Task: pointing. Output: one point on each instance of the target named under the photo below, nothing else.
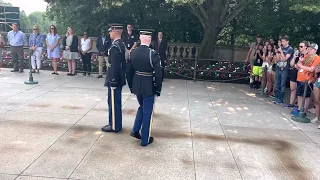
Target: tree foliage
(34, 18)
(176, 21)
(2, 3)
(306, 5)
(24, 21)
(208, 22)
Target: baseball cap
(314, 46)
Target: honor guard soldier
(115, 79)
(145, 81)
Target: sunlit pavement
(201, 130)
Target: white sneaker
(315, 120)
(319, 127)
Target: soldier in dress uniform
(115, 79)
(145, 81)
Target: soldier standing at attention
(115, 79)
(145, 81)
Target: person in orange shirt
(306, 68)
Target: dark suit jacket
(161, 49)
(74, 45)
(103, 48)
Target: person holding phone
(269, 61)
(285, 55)
(257, 67)
(293, 72)
(251, 57)
(306, 69)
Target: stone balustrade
(179, 50)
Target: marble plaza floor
(203, 131)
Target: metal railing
(178, 68)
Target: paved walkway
(202, 131)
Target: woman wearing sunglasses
(35, 44)
(53, 49)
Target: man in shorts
(257, 67)
(306, 68)
(252, 56)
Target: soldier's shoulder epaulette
(115, 45)
(152, 50)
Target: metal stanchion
(195, 69)
(302, 116)
(31, 81)
(264, 79)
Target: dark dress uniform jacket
(116, 72)
(144, 73)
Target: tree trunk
(207, 44)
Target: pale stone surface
(202, 130)
(36, 178)
(63, 156)
(160, 161)
(7, 177)
(30, 116)
(23, 142)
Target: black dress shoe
(107, 128)
(100, 76)
(151, 139)
(135, 135)
(15, 70)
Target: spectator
(70, 47)
(294, 71)
(316, 91)
(53, 48)
(268, 58)
(276, 58)
(35, 43)
(306, 68)
(103, 44)
(257, 67)
(285, 54)
(1, 49)
(272, 42)
(130, 39)
(16, 40)
(161, 47)
(252, 56)
(85, 47)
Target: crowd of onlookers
(72, 46)
(274, 63)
